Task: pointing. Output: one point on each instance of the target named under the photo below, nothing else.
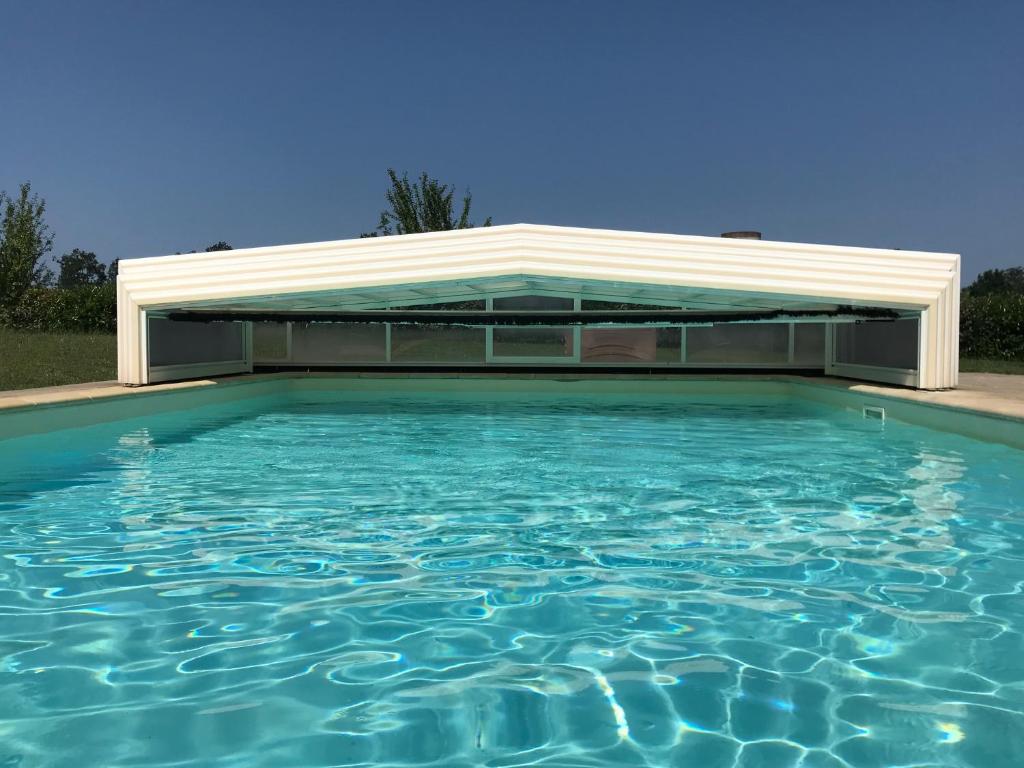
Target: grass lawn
(979, 365)
(32, 359)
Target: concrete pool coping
(986, 406)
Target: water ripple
(503, 583)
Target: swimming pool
(312, 579)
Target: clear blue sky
(154, 127)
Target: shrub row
(992, 327)
(89, 308)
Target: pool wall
(55, 411)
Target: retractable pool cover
(661, 279)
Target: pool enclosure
(543, 298)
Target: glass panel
(738, 343)
(534, 303)
(619, 345)
(325, 343)
(809, 344)
(889, 345)
(532, 342)
(269, 341)
(594, 305)
(438, 344)
(630, 345)
(178, 342)
(472, 305)
(669, 340)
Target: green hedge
(992, 327)
(88, 308)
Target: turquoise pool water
(464, 582)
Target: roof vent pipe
(745, 234)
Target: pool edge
(46, 410)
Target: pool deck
(991, 394)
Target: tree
(422, 206)
(25, 239)
(80, 268)
(994, 282)
(220, 245)
(112, 271)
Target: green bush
(89, 308)
(992, 326)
